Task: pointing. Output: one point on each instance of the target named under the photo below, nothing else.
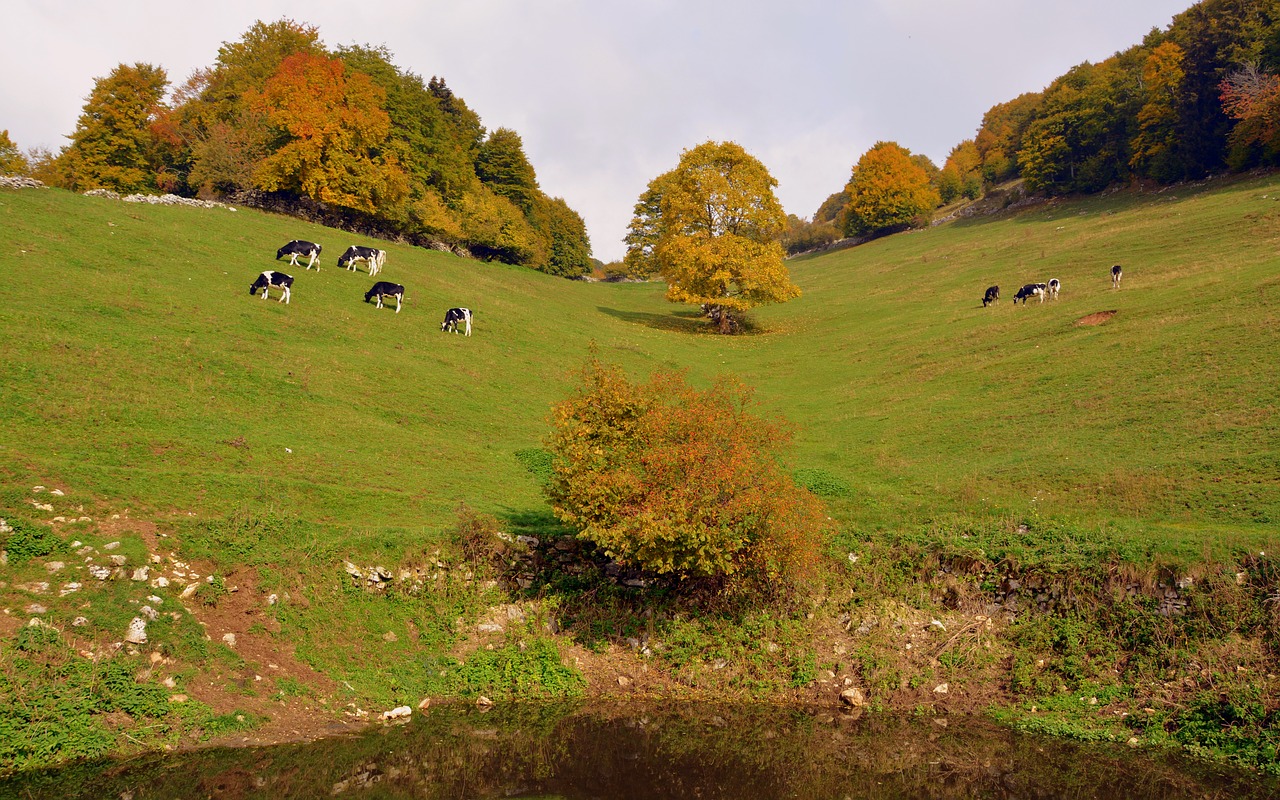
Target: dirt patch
(1096, 318)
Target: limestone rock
(137, 632)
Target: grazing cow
(992, 295)
(383, 289)
(300, 248)
(272, 278)
(1027, 292)
(1115, 276)
(371, 256)
(1053, 287)
(455, 315)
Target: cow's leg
(398, 297)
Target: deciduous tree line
(279, 113)
(1198, 98)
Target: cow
(1053, 287)
(272, 278)
(1029, 291)
(455, 315)
(300, 248)
(383, 289)
(1115, 276)
(371, 256)
(992, 295)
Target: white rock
(942, 688)
(57, 492)
(273, 599)
(54, 566)
(137, 633)
(190, 590)
(229, 639)
(119, 560)
(70, 588)
(141, 574)
(854, 697)
(155, 599)
(149, 612)
(111, 546)
(79, 622)
(36, 608)
(160, 582)
(397, 713)
(100, 572)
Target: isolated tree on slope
(711, 227)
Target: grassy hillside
(141, 368)
(963, 450)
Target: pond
(662, 751)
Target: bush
(681, 482)
(27, 540)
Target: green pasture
(137, 368)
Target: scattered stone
(160, 582)
(137, 632)
(57, 492)
(111, 546)
(38, 489)
(177, 698)
(229, 639)
(484, 703)
(190, 590)
(937, 624)
(155, 559)
(942, 688)
(141, 574)
(36, 608)
(1133, 741)
(54, 566)
(390, 636)
(79, 622)
(624, 681)
(149, 612)
(515, 614)
(397, 713)
(273, 599)
(853, 697)
(70, 588)
(169, 683)
(119, 561)
(100, 572)
(489, 627)
(529, 541)
(84, 519)
(424, 704)
(42, 506)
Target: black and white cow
(272, 278)
(371, 256)
(1052, 288)
(1115, 276)
(1030, 290)
(300, 248)
(992, 295)
(455, 315)
(383, 289)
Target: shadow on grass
(535, 522)
(686, 322)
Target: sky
(606, 95)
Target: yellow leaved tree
(711, 228)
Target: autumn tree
(888, 190)
(710, 227)
(331, 131)
(1155, 148)
(1252, 98)
(681, 482)
(961, 175)
(113, 145)
(12, 161)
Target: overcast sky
(607, 94)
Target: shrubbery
(681, 482)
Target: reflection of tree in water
(662, 751)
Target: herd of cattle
(373, 259)
(1041, 290)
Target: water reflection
(637, 753)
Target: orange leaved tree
(681, 482)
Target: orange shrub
(681, 482)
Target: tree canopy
(280, 116)
(711, 228)
(888, 189)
